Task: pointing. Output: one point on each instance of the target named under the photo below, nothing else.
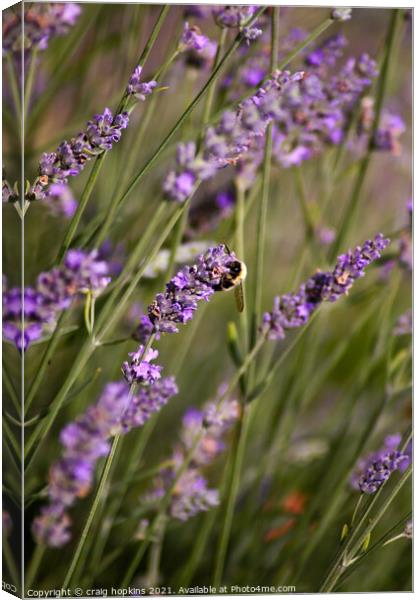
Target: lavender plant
(243, 150)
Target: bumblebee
(233, 279)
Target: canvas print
(207, 299)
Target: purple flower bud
(9, 194)
(139, 89)
(375, 469)
(404, 324)
(52, 526)
(192, 38)
(233, 16)
(140, 370)
(61, 200)
(294, 310)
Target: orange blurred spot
(274, 534)
(294, 503)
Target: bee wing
(239, 297)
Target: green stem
(12, 440)
(201, 541)
(344, 558)
(34, 565)
(378, 544)
(14, 87)
(155, 553)
(176, 242)
(109, 219)
(211, 92)
(308, 222)
(240, 213)
(395, 538)
(95, 505)
(41, 431)
(355, 197)
(135, 458)
(29, 82)
(11, 390)
(263, 207)
(88, 189)
(313, 35)
(40, 372)
(10, 562)
(238, 452)
(357, 507)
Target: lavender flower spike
(226, 143)
(41, 22)
(374, 470)
(80, 273)
(188, 287)
(233, 16)
(136, 87)
(51, 527)
(102, 132)
(191, 494)
(86, 440)
(294, 310)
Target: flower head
(189, 286)
(81, 273)
(51, 527)
(61, 201)
(140, 369)
(25, 316)
(192, 38)
(375, 469)
(233, 16)
(226, 143)
(294, 310)
(191, 493)
(102, 132)
(404, 324)
(9, 193)
(41, 22)
(87, 439)
(136, 87)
